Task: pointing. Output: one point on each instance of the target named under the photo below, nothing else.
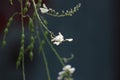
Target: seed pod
(45, 22)
(22, 49)
(22, 41)
(31, 25)
(28, 4)
(31, 46)
(9, 21)
(23, 36)
(31, 55)
(32, 39)
(6, 30)
(25, 10)
(43, 42)
(46, 33)
(3, 43)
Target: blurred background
(94, 28)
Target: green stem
(23, 70)
(58, 56)
(53, 49)
(55, 15)
(46, 64)
(7, 28)
(22, 23)
(34, 5)
(43, 53)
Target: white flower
(72, 70)
(61, 72)
(68, 70)
(44, 9)
(67, 67)
(59, 39)
(59, 78)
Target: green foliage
(34, 34)
(64, 13)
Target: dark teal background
(94, 28)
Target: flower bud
(31, 55)
(28, 4)
(3, 43)
(6, 30)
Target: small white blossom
(44, 9)
(57, 43)
(72, 70)
(67, 67)
(61, 72)
(68, 70)
(59, 39)
(59, 78)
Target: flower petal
(43, 10)
(61, 73)
(59, 78)
(44, 6)
(72, 70)
(71, 39)
(57, 43)
(67, 67)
